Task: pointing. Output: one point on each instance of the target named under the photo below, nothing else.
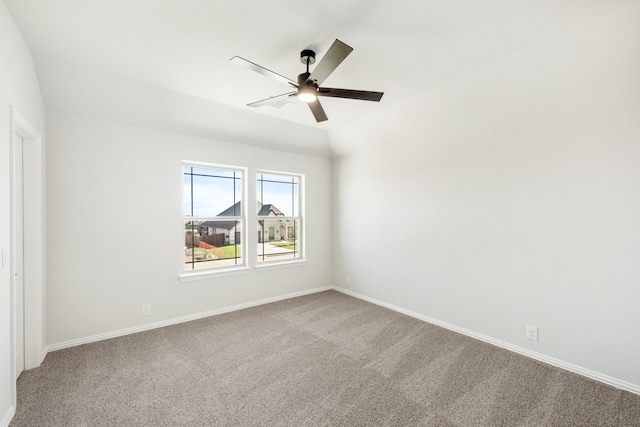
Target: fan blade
(261, 70)
(318, 111)
(330, 61)
(274, 101)
(363, 95)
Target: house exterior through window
(213, 216)
(279, 216)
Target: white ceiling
(116, 59)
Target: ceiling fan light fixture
(307, 94)
(307, 87)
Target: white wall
(19, 88)
(115, 236)
(515, 193)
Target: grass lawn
(230, 251)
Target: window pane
(211, 192)
(212, 243)
(278, 239)
(278, 195)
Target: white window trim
(207, 273)
(272, 265)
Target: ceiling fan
(308, 88)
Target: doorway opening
(27, 247)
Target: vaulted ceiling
(165, 63)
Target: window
(279, 216)
(213, 216)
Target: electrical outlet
(146, 309)
(348, 280)
(532, 333)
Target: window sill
(208, 274)
(263, 266)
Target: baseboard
(606, 379)
(8, 416)
(174, 321)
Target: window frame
(242, 266)
(300, 218)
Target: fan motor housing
(303, 79)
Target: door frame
(34, 241)
(16, 270)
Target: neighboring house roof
(265, 210)
(235, 210)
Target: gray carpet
(320, 360)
